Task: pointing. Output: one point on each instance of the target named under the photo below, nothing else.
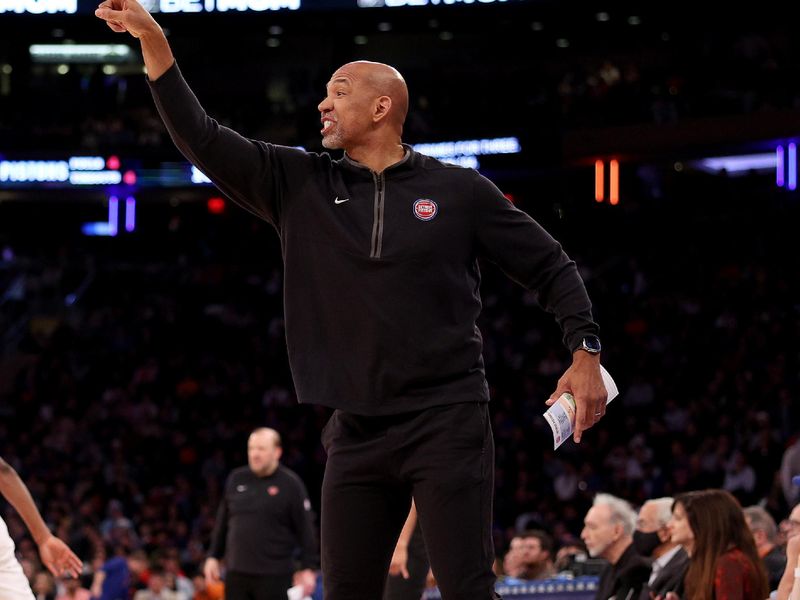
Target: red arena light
(129, 177)
(112, 163)
(216, 206)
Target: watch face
(591, 343)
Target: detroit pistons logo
(273, 490)
(425, 209)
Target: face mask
(645, 543)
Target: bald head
(267, 435)
(382, 80)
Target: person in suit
(608, 533)
(652, 539)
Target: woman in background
(724, 564)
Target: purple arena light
(113, 215)
(130, 214)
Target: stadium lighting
(80, 53)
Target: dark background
(132, 368)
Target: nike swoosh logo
(337, 201)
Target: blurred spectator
(176, 579)
(513, 567)
(204, 590)
(71, 589)
(116, 576)
(765, 534)
(652, 539)
(740, 478)
(156, 588)
(536, 555)
(44, 586)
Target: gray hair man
(765, 533)
(608, 533)
(652, 539)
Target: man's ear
(382, 107)
(619, 531)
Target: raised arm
(130, 16)
(251, 173)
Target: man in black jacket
(264, 527)
(381, 252)
(607, 533)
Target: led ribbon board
(39, 7)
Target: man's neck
(266, 472)
(377, 157)
(615, 551)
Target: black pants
(444, 456)
(241, 586)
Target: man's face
(647, 522)
(531, 551)
(262, 453)
(156, 583)
(347, 107)
(598, 530)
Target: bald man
(264, 529)
(381, 295)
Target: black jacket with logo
(381, 284)
(265, 525)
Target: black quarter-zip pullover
(264, 524)
(381, 279)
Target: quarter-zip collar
(403, 164)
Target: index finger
(583, 418)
